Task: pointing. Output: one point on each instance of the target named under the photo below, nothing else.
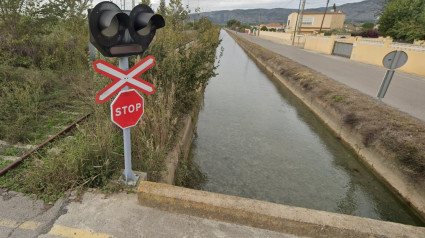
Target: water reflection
(256, 140)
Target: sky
(215, 5)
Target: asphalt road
(406, 92)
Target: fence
(371, 51)
(283, 38)
(367, 50)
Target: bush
(371, 33)
(368, 25)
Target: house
(275, 26)
(350, 27)
(312, 21)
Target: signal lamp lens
(111, 22)
(109, 28)
(145, 23)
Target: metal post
(387, 78)
(129, 177)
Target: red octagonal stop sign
(127, 109)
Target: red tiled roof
(321, 13)
(274, 25)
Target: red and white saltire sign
(123, 78)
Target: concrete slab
(120, 215)
(266, 215)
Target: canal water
(256, 140)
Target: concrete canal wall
(276, 217)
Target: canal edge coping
(409, 191)
(267, 215)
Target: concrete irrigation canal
(256, 140)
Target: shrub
(370, 33)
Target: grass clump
(11, 151)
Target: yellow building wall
(292, 19)
(371, 51)
(337, 21)
(280, 37)
(323, 44)
(332, 21)
(374, 52)
(317, 20)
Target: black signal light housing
(120, 33)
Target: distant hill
(357, 12)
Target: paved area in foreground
(406, 92)
(116, 215)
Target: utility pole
(259, 23)
(299, 19)
(133, 4)
(324, 14)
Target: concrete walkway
(98, 215)
(119, 215)
(160, 210)
(406, 92)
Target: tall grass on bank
(31, 99)
(184, 63)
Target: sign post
(391, 61)
(126, 111)
(129, 177)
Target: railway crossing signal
(123, 78)
(122, 33)
(119, 33)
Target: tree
(203, 24)
(368, 25)
(45, 34)
(233, 23)
(146, 2)
(177, 14)
(162, 9)
(334, 7)
(403, 20)
(11, 13)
